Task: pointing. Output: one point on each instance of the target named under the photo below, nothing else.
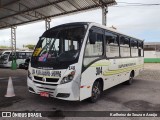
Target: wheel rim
(96, 91)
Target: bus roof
(113, 30)
(90, 24)
(64, 25)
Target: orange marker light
(73, 73)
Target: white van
(6, 57)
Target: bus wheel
(96, 91)
(130, 81)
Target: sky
(142, 22)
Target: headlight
(29, 75)
(68, 78)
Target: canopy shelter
(17, 12)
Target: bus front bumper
(68, 91)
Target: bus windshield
(5, 56)
(59, 47)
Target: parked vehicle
(7, 56)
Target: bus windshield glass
(5, 56)
(59, 47)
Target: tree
(30, 46)
(2, 46)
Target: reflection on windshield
(60, 44)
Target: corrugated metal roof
(16, 12)
(151, 43)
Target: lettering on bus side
(98, 70)
(126, 65)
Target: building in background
(152, 52)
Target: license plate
(44, 94)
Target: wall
(151, 57)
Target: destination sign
(49, 73)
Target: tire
(130, 81)
(96, 91)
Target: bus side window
(17, 55)
(20, 55)
(139, 52)
(23, 54)
(112, 45)
(134, 48)
(94, 49)
(28, 54)
(124, 46)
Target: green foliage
(31, 47)
(2, 46)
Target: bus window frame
(103, 56)
(121, 45)
(118, 43)
(104, 47)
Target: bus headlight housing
(68, 78)
(29, 75)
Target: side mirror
(92, 37)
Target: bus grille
(38, 78)
(47, 79)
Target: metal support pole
(13, 46)
(104, 15)
(47, 23)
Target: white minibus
(76, 61)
